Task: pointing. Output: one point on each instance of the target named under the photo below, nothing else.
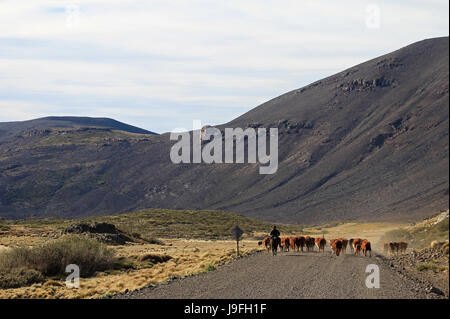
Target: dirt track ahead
(290, 275)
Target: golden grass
(189, 257)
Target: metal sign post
(237, 233)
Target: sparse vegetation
(427, 266)
(18, 277)
(396, 235)
(420, 235)
(151, 224)
(22, 265)
(210, 267)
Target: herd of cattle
(338, 246)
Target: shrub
(19, 277)
(154, 259)
(88, 254)
(427, 266)
(209, 268)
(52, 258)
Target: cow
(320, 243)
(292, 242)
(344, 244)
(394, 248)
(336, 246)
(307, 239)
(366, 248)
(300, 243)
(310, 243)
(266, 243)
(356, 241)
(402, 246)
(285, 243)
(350, 242)
(357, 248)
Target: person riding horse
(274, 233)
(275, 240)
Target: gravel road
(290, 275)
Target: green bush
(209, 268)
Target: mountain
(9, 129)
(368, 143)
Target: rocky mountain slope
(370, 142)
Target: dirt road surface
(291, 275)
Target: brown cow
(365, 246)
(357, 248)
(307, 239)
(320, 243)
(344, 244)
(285, 244)
(394, 248)
(310, 243)
(292, 242)
(356, 241)
(336, 246)
(350, 242)
(301, 242)
(266, 243)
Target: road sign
(237, 233)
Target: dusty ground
(291, 275)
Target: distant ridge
(67, 121)
(98, 122)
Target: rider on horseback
(274, 233)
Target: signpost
(237, 233)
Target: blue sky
(160, 64)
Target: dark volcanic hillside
(368, 143)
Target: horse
(274, 243)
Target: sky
(160, 65)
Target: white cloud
(170, 53)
